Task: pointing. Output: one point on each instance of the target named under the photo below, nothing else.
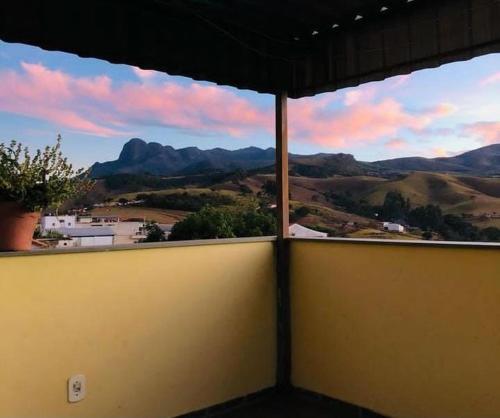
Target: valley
(333, 193)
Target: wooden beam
(282, 248)
(282, 165)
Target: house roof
(297, 230)
(95, 231)
(301, 46)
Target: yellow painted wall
(407, 331)
(157, 332)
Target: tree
(254, 223)
(455, 228)
(298, 213)
(206, 224)
(491, 234)
(302, 211)
(154, 233)
(244, 189)
(428, 218)
(395, 206)
(270, 188)
(211, 223)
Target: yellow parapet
(408, 331)
(156, 332)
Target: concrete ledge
(191, 243)
(416, 243)
(142, 246)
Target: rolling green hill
(454, 194)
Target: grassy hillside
(489, 186)
(454, 194)
(311, 198)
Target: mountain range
(139, 157)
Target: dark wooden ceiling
(301, 46)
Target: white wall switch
(77, 388)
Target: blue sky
(98, 106)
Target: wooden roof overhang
(303, 47)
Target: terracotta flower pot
(16, 227)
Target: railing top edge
(414, 243)
(195, 243)
(134, 247)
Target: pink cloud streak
(396, 144)
(487, 132)
(363, 121)
(492, 79)
(96, 106)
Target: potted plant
(30, 184)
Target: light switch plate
(77, 388)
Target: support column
(282, 164)
(282, 247)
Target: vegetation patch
(184, 201)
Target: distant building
(127, 232)
(300, 231)
(52, 222)
(85, 219)
(105, 219)
(94, 236)
(393, 227)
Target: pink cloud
(492, 79)
(364, 121)
(93, 105)
(396, 144)
(443, 109)
(144, 74)
(359, 95)
(486, 132)
(98, 106)
(46, 94)
(401, 80)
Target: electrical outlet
(77, 388)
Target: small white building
(393, 227)
(53, 222)
(85, 219)
(299, 231)
(94, 236)
(127, 232)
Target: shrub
(153, 233)
(40, 181)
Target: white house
(85, 219)
(393, 227)
(300, 231)
(53, 222)
(127, 232)
(94, 236)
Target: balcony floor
(300, 406)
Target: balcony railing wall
(157, 332)
(408, 331)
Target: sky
(97, 107)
